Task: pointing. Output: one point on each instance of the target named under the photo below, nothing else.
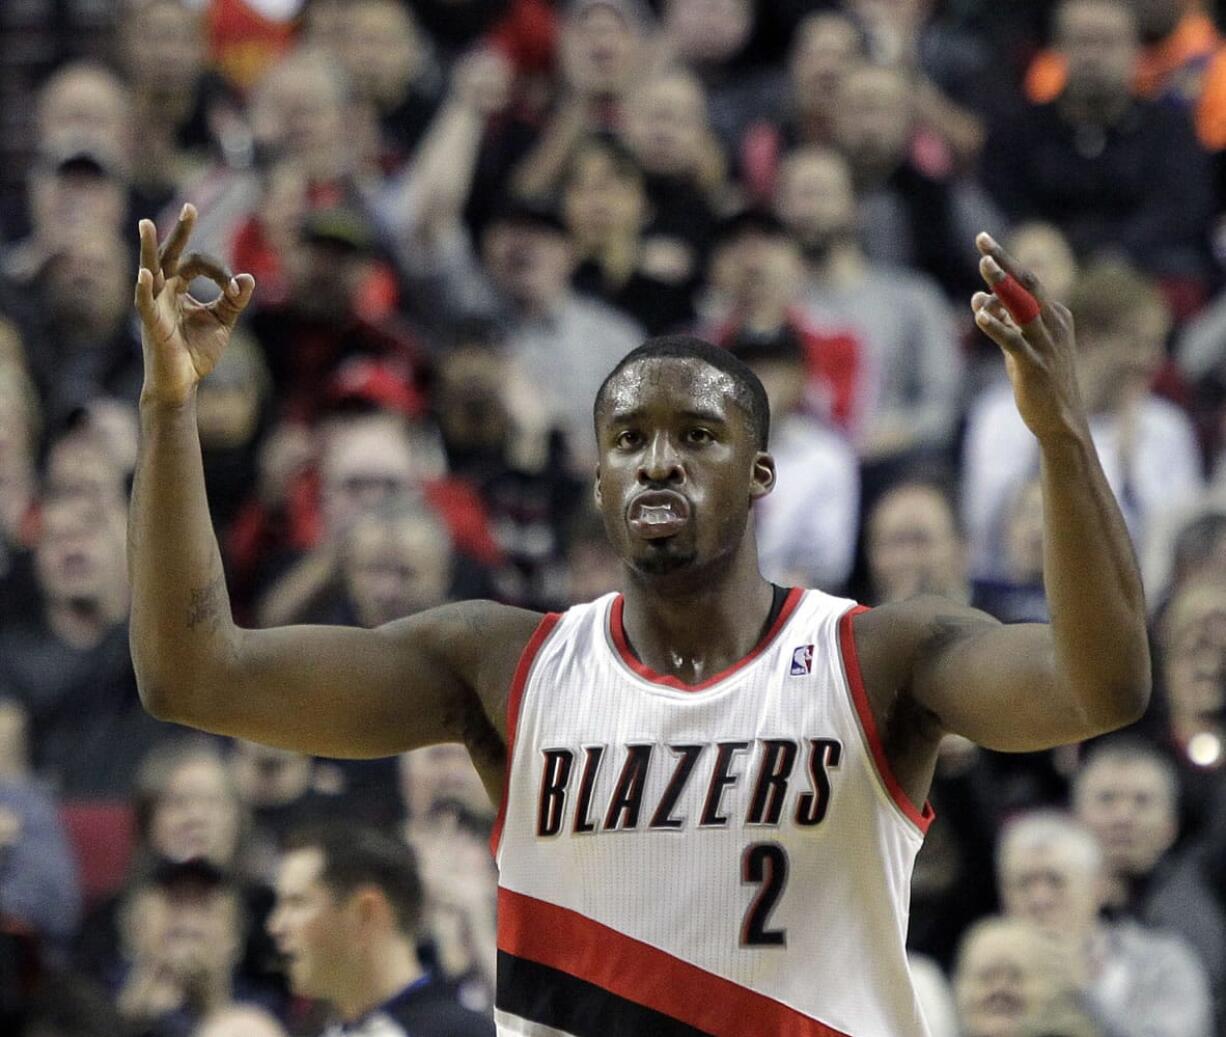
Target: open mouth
(657, 514)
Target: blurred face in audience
(197, 814)
(1098, 39)
(600, 50)
(265, 776)
(603, 200)
(1194, 646)
(367, 463)
(468, 397)
(63, 204)
(381, 50)
(80, 554)
(312, 928)
(667, 125)
(83, 102)
(394, 567)
(914, 546)
(1001, 979)
(528, 263)
(875, 118)
(1129, 804)
(1041, 248)
(81, 468)
(163, 46)
(188, 930)
(325, 280)
(764, 273)
(299, 110)
(228, 401)
(708, 31)
(87, 284)
(825, 47)
(1118, 354)
(1052, 884)
(815, 199)
(435, 775)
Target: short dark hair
(750, 396)
(357, 855)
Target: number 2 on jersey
(767, 865)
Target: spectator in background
(1127, 793)
(605, 206)
(182, 932)
(899, 319)
(1018, 596)
(1147, 445)
(187, 809)
(825, 46)
(335, 307)
(73, 186)
(1136, 982)
(90, 105)
(1178, 40)
(181, 106)
(711, 38)
(77, 323)
(39, 893)
(1111, 170)
(349, 910)
(66, 659)
(1008, 983)
(389, 66)
(602, 53)
(806, 526)
(668, 129)
(913, 544)
(913, 212)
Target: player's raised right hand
(182, 337)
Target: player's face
(679, 467)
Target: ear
(763, 477)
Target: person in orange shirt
(1179, 43)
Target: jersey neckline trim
(617, 631)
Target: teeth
(654, 514)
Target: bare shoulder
(479, 641)
(897, 642)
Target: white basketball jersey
(730, 858)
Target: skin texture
(694, 604)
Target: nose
(661, 464)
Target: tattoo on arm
(205, 603)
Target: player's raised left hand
(1036, 335)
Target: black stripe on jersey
(553, 998)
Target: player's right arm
(338, 691)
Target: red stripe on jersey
(579, 946)
(514, 698)
(855, 679)
(622, 643)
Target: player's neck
(694, 633)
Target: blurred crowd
(459, 215)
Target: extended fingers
(233, 299)
(148, 246)
(173, 248)
(144, 292)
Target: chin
(665, 560)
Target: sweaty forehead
(671, 382)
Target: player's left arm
(1029, 686)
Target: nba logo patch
(802, 660)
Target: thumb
(234, 299)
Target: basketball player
(712, 789)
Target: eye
(626, 439)
(699, 436)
